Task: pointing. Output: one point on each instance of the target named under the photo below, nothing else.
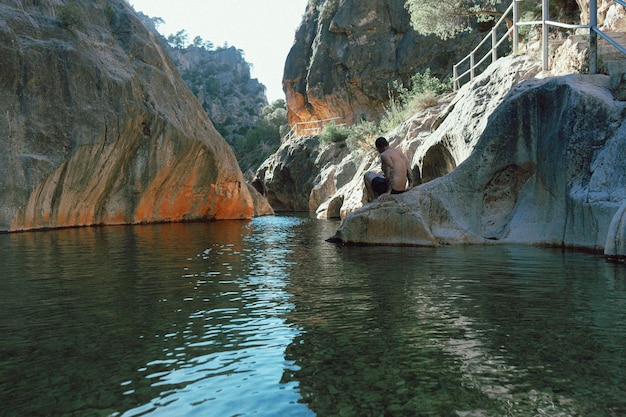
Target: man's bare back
(396, 170)
(395, 166)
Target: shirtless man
(396, 170)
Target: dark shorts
(379, 185)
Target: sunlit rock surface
(347, 55)
(261, 206)
(97, 127)
(306, 175)
(549, 167)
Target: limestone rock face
(611, 16)
(97, 127)
(346, 55)
(221, 81)
(549, 167)
(261, 205)
(286, 178)
(434, 139)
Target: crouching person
(396, 176)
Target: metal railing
(493, 51)
(315, 127)
(311, 127)
(513, 33)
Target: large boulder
(286, 178)
(306, 175)
(97, 126)
(548, 168)
(262, 207)
(326, 179)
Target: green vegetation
(422, 92)
(446, 18)
(362, 134)
(334, 133)
(560, 10)
(179, 40)
(109, 13)
(403, 101)
(263, 140)
(69, 14)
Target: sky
(264, 31)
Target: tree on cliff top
(446, 18)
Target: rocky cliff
(548, 167)
(347, 53)
(221, 81)
(517, 156)
(97, 126)
(236, 103)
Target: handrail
(546, 24)
(612, 41)
(492, 36)
(315, 127)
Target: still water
(265, 318)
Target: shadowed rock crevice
(438, 161)
(500, 197)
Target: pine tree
(446, 18)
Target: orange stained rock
(230, 207)
(181, 191)
(165, 200)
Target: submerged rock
(98, 127)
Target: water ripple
(265, 318)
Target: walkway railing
(315, 127)
(474, 63)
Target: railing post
(515, 27)
(472, 66)
(593, 37)
(545, 9)
(494, 45)
(455, 78)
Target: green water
(265, 318)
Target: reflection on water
(265, 318)
(161, 320)
(469, 331)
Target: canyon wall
(517, 156)
(348, 53)
(97, 127)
